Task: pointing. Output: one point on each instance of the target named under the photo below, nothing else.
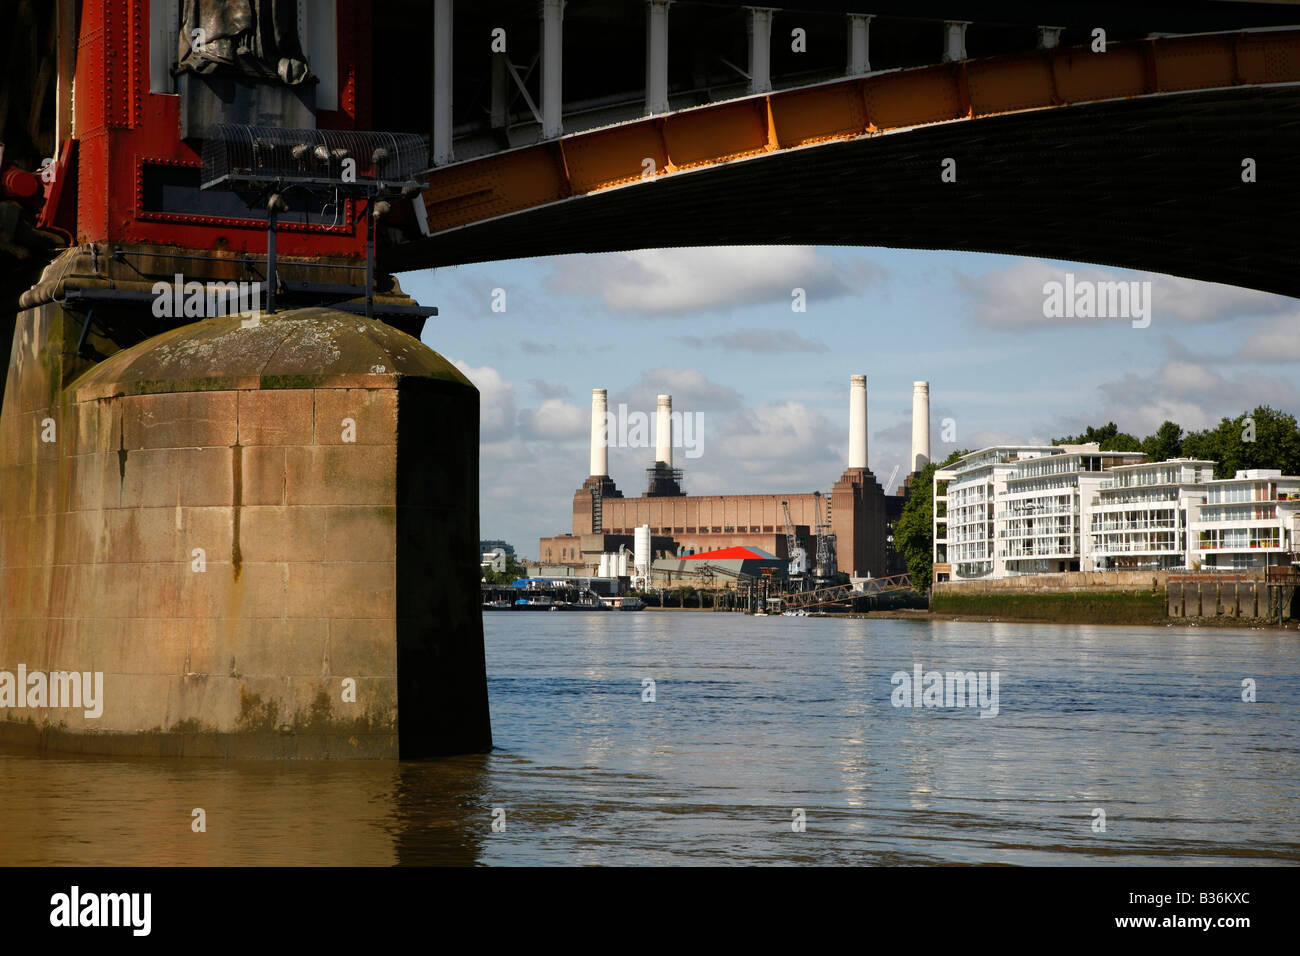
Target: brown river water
(753, 720)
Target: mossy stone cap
(298, 348)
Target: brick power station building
(857, 510)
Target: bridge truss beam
(1136, 124)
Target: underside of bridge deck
(1153, 183)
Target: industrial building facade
(856, 510)
(1027, 509)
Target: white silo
(641, 552)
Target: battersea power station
(856, 513)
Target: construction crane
(797, 555)
(825, 569)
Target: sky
(766, 387)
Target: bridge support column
(442, 153)
(859, 53)
(760, 49)
(954, 32)
(275, 575)
(552, 68)
(656, 56)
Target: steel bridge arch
(1132, 158)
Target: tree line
(1263, 438)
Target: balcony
(1136, 549)
(1135, 526)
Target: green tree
(513, 572)
(914, 530)
(1263, 438)
(1166, 443)
(1108, 437)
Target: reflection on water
(753, 717)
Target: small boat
(498, 605)
(628, 603)
(541, 602)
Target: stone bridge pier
(259, 534)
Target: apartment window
(1264, 538)
(1228, 493)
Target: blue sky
(715, 328)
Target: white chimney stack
(920, 425)
(664, 431)
(599, 449)
(857, 421)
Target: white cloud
(496, 400)
(526, 491)
(1193, 301)
(555, 420)
(1192, 395)
(1279, 341)
(1013, 297)
(1189, 379)
(756, 340)
(679, 281)
(692, 390)
(986, 437)
(529, 347)
(549, 389)
(776, 432)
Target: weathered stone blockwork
(228, 523)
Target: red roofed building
(735, 565)
(734, 554)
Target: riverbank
(1138, 609)
(1112, 606)
(909, 614)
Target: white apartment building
(964, 535)
(1138, 518)
(1017, 509)
(1251, 520)
(1039, 518)
(1030, 509)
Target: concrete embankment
(1068, 607)
(1112, 597)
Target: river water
(752, 720)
